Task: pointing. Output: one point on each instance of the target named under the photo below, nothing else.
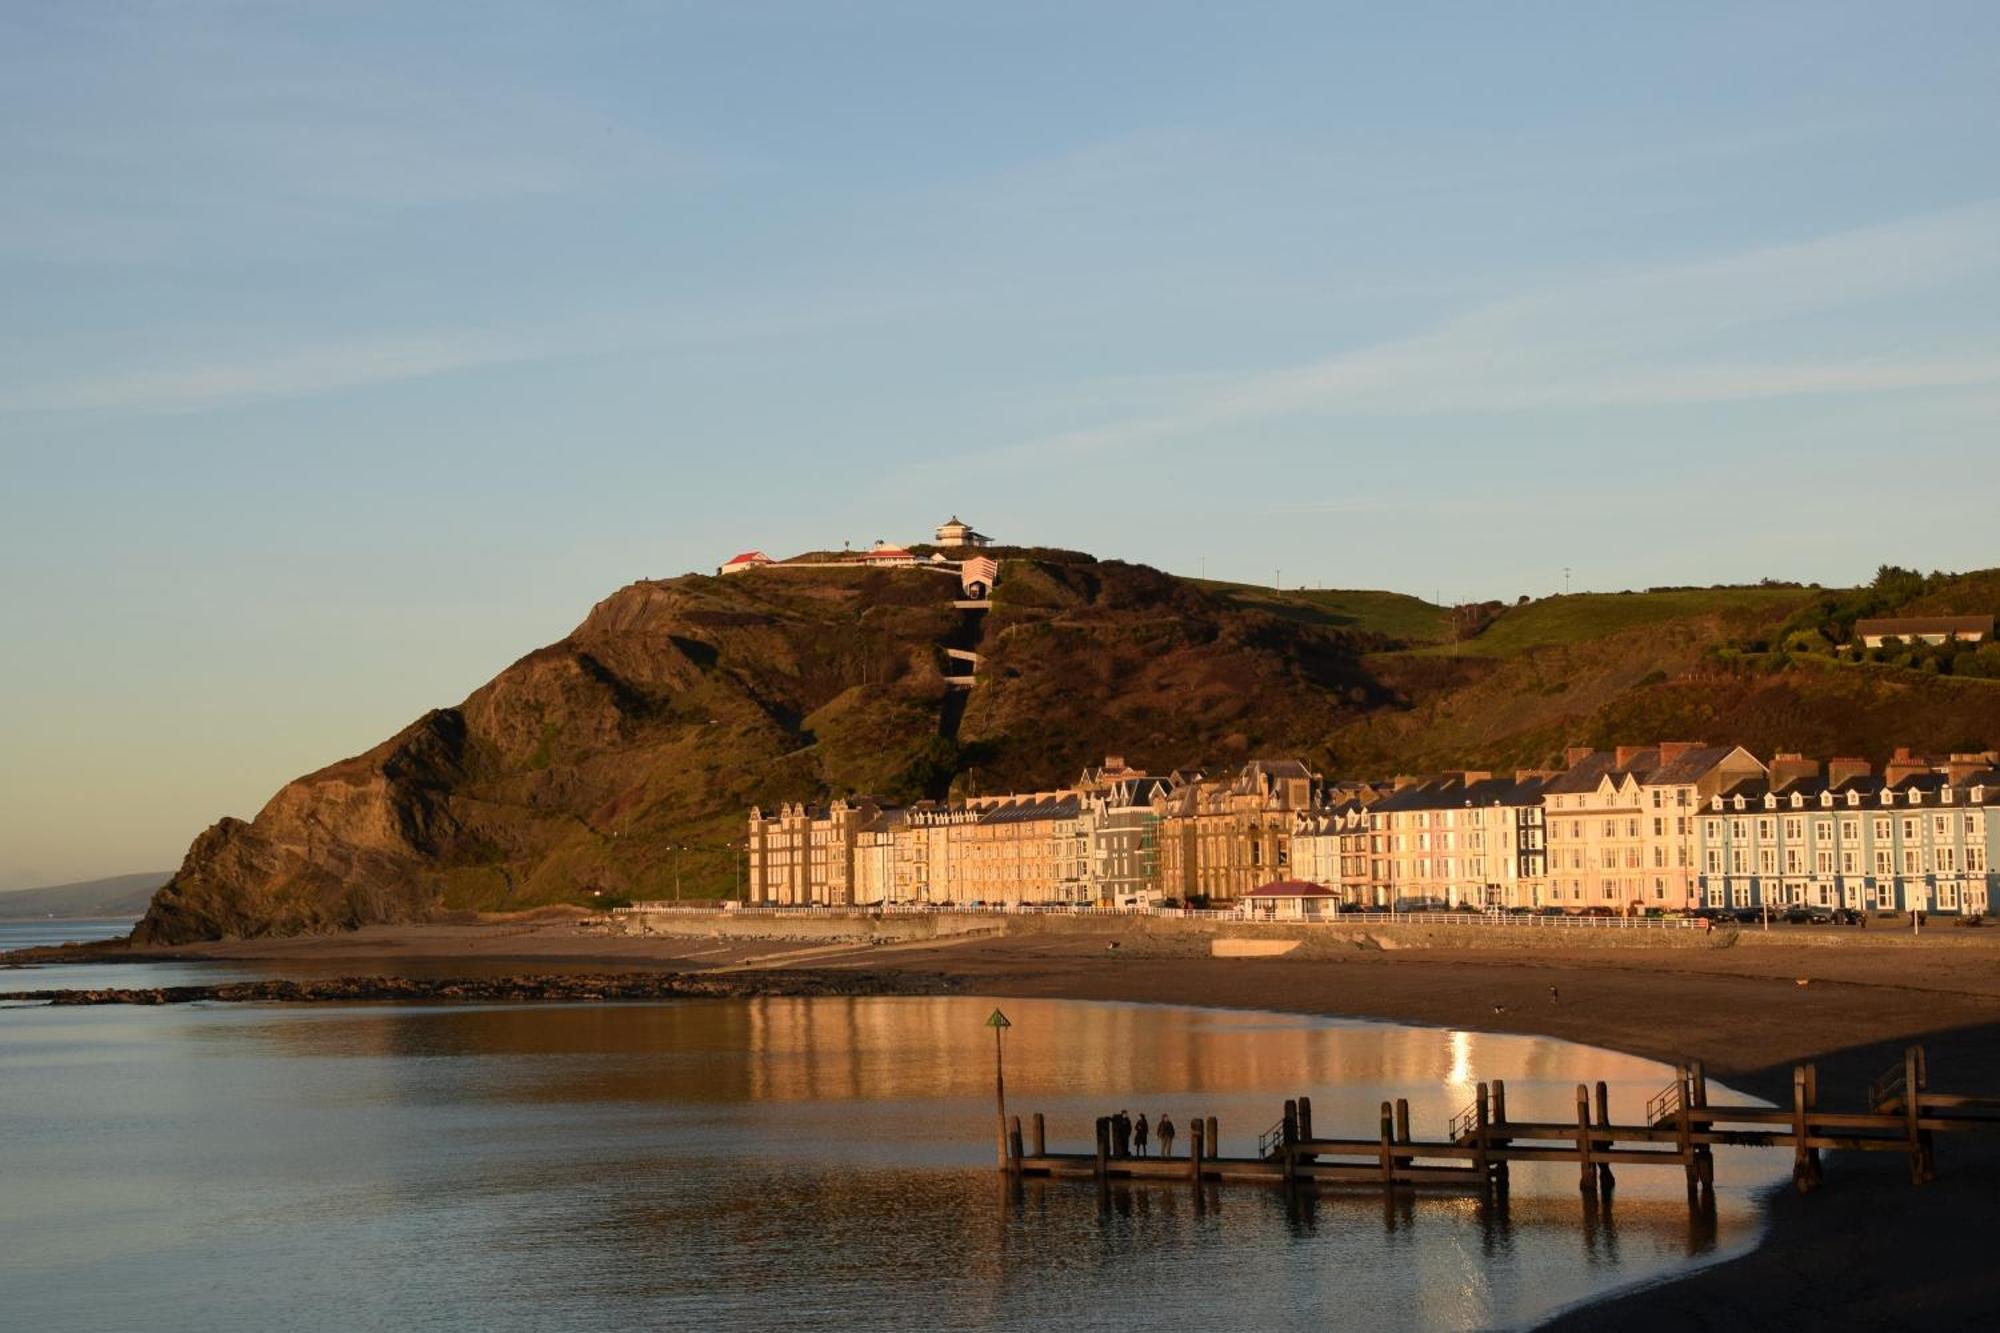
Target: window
(1850, 861)
(1658, 798)
(1764, 829)
(1823, 830)
(1795, 828)
(1941, 827)
(1881, 830)
(1767, 861)
(1884, 862)
(1975, 859)
(1823, 861)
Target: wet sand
(1867, 1250)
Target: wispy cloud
(305, 371)
(1637, 338)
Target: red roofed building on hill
(736, 564)
(884, 554)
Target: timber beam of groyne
(1679, 1128)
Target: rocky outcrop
(618, 762)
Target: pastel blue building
(1919, 837)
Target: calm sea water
(804, 1164)
(36, 932)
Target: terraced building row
(1666, 827)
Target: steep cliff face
(620, 761)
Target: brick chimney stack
(1672, 750)
(1576, 754)
(1904, 764)
(1789, 768)
(1846, 769)
(1627, 753)
(1962, 766)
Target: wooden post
(1214, 1138)
(1500, 1123)
(1306, 1122)
(1912, 1104)
(1041, 1136)
(1812, 1104)
(1801, 1174)
(1701, 1085)
(1684, 1132)
(1014, 1153)
(1402, 1120)
(1605, 1180)
(1480, 1122)
(1103, 1147)
(1924, 1136)
(1587, 1178)
(1388, 1138)
(1195, 1151)
(1288, 1142)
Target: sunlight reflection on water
(731, 1164)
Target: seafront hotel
(1669, 827)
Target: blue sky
(348, 351)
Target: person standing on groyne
(1163, 1129)
(1139, 1135)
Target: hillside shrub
(1982, 663)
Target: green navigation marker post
(999, 1022)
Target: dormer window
(1916, 796)
(1826, 800)
(1798, 801)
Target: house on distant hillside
(1926, 629)
(736, 564)
(959, 534)
(883, 555)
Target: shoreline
(1866, 1250)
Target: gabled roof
(1688, 768)
(749, 558)
(1584, 775)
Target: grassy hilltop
(618, 763)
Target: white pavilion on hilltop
(959, 534)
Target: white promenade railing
(1531, 920)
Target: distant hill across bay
(120, 895)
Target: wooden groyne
(1678, 1128)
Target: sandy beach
(1868, 1250)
